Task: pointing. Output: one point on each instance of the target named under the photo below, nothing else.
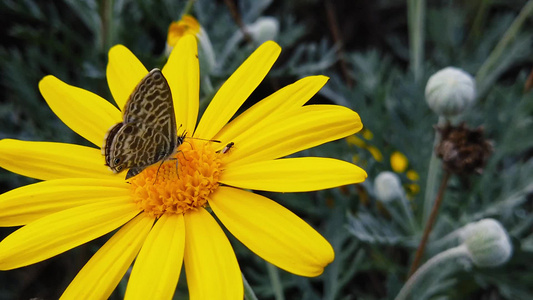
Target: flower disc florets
(160, 190)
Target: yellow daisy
(398, 162)
(178, 29)
(162, 220)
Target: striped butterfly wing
(148, 133)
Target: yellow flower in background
(178, 29)
(367, 134)
(188, 25)
(161, 220)
(412, 175)
(358, 142)
(375, 153)
(412, 188)
(398, 162)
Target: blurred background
(379, 56)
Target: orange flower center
(159, 190)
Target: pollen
(181, 183)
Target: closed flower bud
(387, 186)
(487, 243)
(450, 91)
(264, 29)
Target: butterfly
(148, 133)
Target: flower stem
(429, 224)
(248, 292)
(507, 38)
(188, 8)
(238, 20)
(459, 251)
(107, 35)
(275, 281)
(432, 177)
(415, 15)
(408, 212)
(337, 38)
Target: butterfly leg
(157, 173)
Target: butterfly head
(117, 163)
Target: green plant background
(389, 50)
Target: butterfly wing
(148, 133)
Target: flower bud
(487, 242)
(387, 186)
(264, 29)
(450, 91)
(176, 30)
(189, 25)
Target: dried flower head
(463, 150)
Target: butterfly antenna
(213, 141)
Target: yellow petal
(367, 134)
(47, 160)
(375, 153)
(102, 273)
(236, 89)
(210, 263)
(183, 75)
(293, 174)
(31, 202)
(59, 232)
(84, 112)
(157, 268)
(310, 126)
(272, 232)
(275, 107)
(124, 72)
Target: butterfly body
(148, 133)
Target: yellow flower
(412, 175)
(161, 219)
(367, 134)
(178, 29)
(188, 25)
(375, 153)
(413, 188)
(398, 162)
(354, 140)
